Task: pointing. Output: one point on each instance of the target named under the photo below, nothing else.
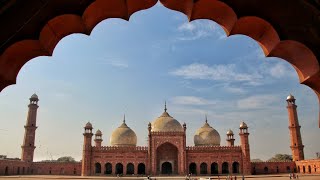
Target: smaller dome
(98, 133)
(34, 96)
(229, 132)
(243, 125)
(123, 136)
(290, 97)
(88, 126)
(207, 136)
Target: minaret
(294, 128)
(244, 141)
(86, 153)
(30, 130)
(230, 138)
(98, 138)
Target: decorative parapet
(120, 148)
(263, 162)
(213, 148)
(55, 162)
(159, 133)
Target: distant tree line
(62, 159)
(277, 158)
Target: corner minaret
(294, 128)
(30, 130)
(86, 153)
(244, 141)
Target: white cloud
(186, 27)
(116, 63)
(216, 72)
(191, 100)
(235, 90)
(197, 29)
(256, 102)
(281, 70)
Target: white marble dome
(166, 123)
(123, 136)
(207, 136)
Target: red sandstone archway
(167, 153)
(278, 26)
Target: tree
(256, 160)
(281, 157)
(66, 159)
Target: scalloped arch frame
(297, 54)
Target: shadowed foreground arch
(286, 29)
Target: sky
(133, 67)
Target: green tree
(66, 159)
(281, 157)
(256, 160)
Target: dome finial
(206, 119)
(124, 118)
(165, 106)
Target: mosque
(165, 154)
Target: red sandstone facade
(166, 153)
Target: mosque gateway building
(165, 154)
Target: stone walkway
(256, 177)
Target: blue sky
(133, 67)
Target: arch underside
(288, 30)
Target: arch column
(198, 167)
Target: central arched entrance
(166, 168)
(167, 159)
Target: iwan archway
(286, 29)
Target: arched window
(298, 169)
(119, 168)
(6, 171)
(266, 170)
(203, 168)
(74, 171)
(97, 168)
(288, 169)
(108, 167)
(235, 167)
(277, 169)
(214, 168)
(23, 170)
(309, 169)
(62, 170)
(192, 168)
(303, 169)
(18, 170)
(130, 169)
(225, 168)
(141, 168)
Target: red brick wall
(56, 168)
(114, 155)
(273, 167)
(218, 154)
(14, 167)
(311, 166)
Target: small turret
(230, 138)
(98, 138)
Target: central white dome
(166, 123)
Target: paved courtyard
(256, 177)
